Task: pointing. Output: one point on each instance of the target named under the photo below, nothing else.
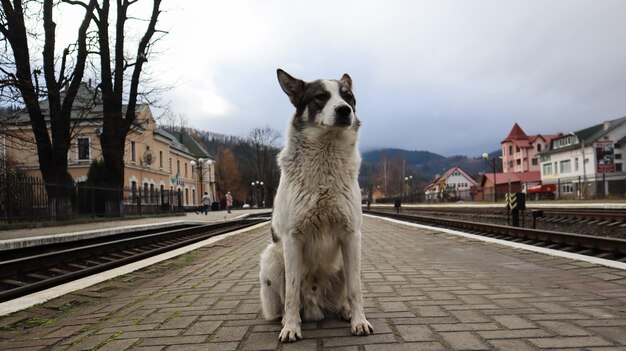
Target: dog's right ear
(293, 87)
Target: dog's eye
(348, 97)
(321, 97)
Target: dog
(312, 267)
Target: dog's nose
(343, 111)
(342, 115)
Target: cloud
(447, 76)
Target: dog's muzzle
(342, 116)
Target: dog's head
(321, 103)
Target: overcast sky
(449, 77)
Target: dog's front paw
(362, 327)
(290, 333)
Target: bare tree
(119, 109)
(259, 159)
(24, 82)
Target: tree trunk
(113, 141)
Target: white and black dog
(313, 264)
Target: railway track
(608, 217)
(601, 247)
(24, 271)
(596, 222)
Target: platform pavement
(211, 216)
(424, 290)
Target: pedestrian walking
(229, 201)
(206, 201)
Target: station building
(588, 162)
(154, 158)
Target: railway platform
(10, 239)
(423, 289)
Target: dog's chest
(325, 196)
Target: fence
(25, 198)
(596, 186)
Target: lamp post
(409, 180)
(493, 164)
(256, 186)
(204, 168)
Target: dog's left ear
(293, 87)
(346, 79)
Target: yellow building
(154, 158)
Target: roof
(87, 106)
(519, 138)
(516, 133)
(190, 143)
(588, 135)
(514, 177)
(447, 175)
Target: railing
(25, 198)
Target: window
(83, 148)
(510, 149)
(133, 189)
(185, 169)
(618, 156)
(556, 169)
(177, 167)
(518, 162)
(567, 188)
(510, 164)
(133, 156)
(170, 169)
(538, 147)
(618, 167)
(547, 168)
(576, 164)
(517, 149)
(535, 161)
(565, 166)
(161, 159)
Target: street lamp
(205, 173)
(409, 180)
(493, 164)
(256, 185)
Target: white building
(602, 171)
(454, 183)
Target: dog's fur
(313, 264)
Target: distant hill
(411, 157)
(425, 165)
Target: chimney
(605, 126)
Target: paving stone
(514, 322)
(562, 342)
(230, 334)
(118, 345)
(415, 333)
(203, 328)
(464, 341)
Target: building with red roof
(520, 152)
